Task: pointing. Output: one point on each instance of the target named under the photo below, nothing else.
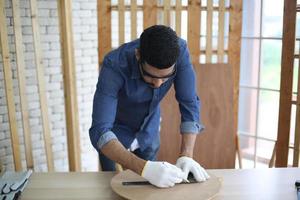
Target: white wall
(85, 39)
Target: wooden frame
(234, 50)
(69, 74)
(209, 24)
(133, 13)
(194, 30)
(121, 21)
(297, 126)
(178, 17)
(104, 28)
(221, 31)
(286, 85)
(41, 84)
(9, 90)
(21, 78)
(150, 13)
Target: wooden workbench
(244, 184)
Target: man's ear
(137, 54)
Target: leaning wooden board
(193, 191)
(215, 146)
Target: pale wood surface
(21, 79)
(221, 31)
(167, 12)
(247, 184)
(121, 21)
(9, 89)
(70, 89)
(194, 191)
(178, 9)
(41, 83)
(209, 25)
(133, 19)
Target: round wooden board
(200, 191)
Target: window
(260, 81)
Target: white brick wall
(85, 37)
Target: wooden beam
(133, 13)
(178, 17)
(296, 156)
(9, 90)
(194, 29)
(286, 84)
(41, 84)
(149, 13)
(167, 12)
(69, 74)
(21, 78)
(121, 13)
(273, 157)
(161, 8)
(104, 28)
(209, 22)
(234, 50)
(221, 31)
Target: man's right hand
(162, 174)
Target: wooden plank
(243, 184)
(121, 12)
(178, 17)
(133, 13)
(149, 14)
(221, 31)
(215, 89)
(41, 84)
(273, 157)
(9, 90)
(234, 50)
(179, 192)
(167, 12)
(238, 151)
(209, 21)
(20, 62)
(193, 36)
(104, 28)
(161, 8)
(286, 85)
(296, 156)
(69, 75)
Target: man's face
(156, 77)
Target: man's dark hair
(159, 46)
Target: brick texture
(85, 45)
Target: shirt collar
(135, 72)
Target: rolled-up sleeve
(105, 103)
(186, 94)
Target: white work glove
(187, 165)
(12, 184)
(162, 174)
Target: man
(126, 115)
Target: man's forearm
(115, 151)
(187, 144)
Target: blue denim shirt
(125, 107)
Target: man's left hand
(187, 165)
